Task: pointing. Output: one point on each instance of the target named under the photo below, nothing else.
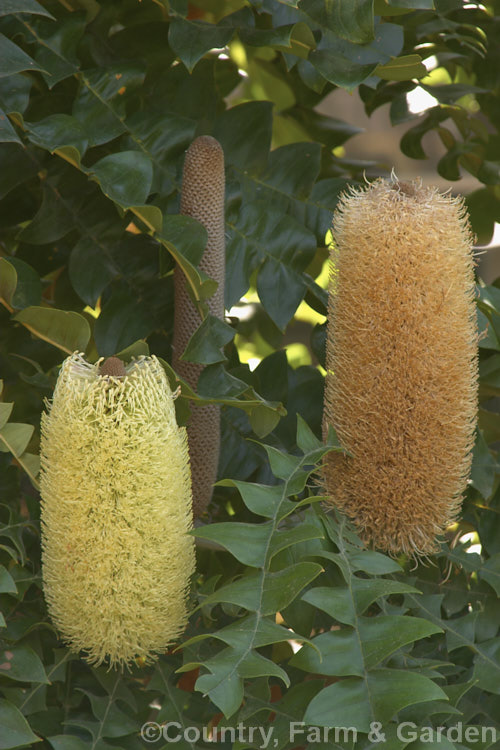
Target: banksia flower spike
(116, 509)
(401, 384)
(202, 198)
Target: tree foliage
(99, 100)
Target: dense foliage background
(99, 101)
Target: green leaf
(68, 331)
(244, 133)
(247, 542)
(14, 438)
(346, 64)
(279, 589)
(13, 59)
(356, 703)
(125, 177)
(339, 654)
(484, 467)
(121, 322)
(381, 636)
(281, 290)
(206, 343)
(90, 270)
(413, 4)
(7, 585)
(67, 742)
(21, 663)
(346, 604)
(8, 282)
(402, 68)
(15, 729)
(7, 132)
(58, 132)
(23, 6)
(490, 572)
(352, 20)
(190, 40)
(57, 44)
(29, 287)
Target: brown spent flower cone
(401, 384)
(202, 197)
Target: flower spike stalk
(401, 384)
(202, 198)
(116, 511)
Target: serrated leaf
(190, 40)
(13, 59)
(57, 131)
(68, 331)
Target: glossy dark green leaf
(13, 59)
(244, 133)
(347, 64)
(29, 287)
(16, 731)
(14, 93)
(7, 132)
(206, 343)
(90, 270)
(490, 572)
(281, 290)
(101, 104)
(352, 21)
(124, 177)
(190, 40)
(484, 467)
(57, 132)
(68, 331)
(56, 51)
(121, 322)
(52, 221)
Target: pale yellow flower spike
(116, 509)
(401, 384)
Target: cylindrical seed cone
(202, 198)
